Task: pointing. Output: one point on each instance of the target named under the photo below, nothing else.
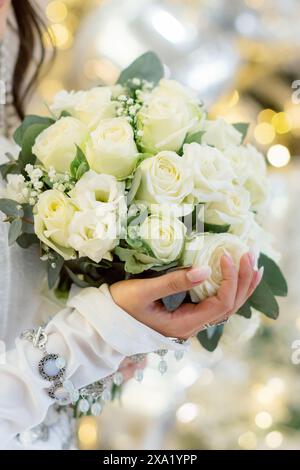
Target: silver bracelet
(52, 367)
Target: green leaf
(273, 276)
(27, 239)
(196, 137)
(11, 208)
(173, 302)
(29, 121)
(55, 265)
(210, 337)
(64, 114)
(79, 165)
(146, 67)
(263, 300)
(15, 231)
(28, 141)
(242, 127)
(8, 168)
(77, 281)
(245, 310)
(216, 228)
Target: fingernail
(197, 275)
(260, 274)
(252, 258)
(228, 256)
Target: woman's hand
(141, 297)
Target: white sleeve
(93, 334)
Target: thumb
(175, 282)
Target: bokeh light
(56, 11)
(247, 440)
(278, 155)
(264, 133)
(274, 439)
(263, 420)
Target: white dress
(92, 334)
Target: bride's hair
(31, 54)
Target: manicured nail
(197, 275)
(260, 275)
(252, 258)
(228, 256)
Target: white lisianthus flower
(250, 170)
(164, 180)
(56, 146)
(88, 106)
(53, 215)
(220, 134)
(94, 190)
(211, 171)
(165, 236)
(207, 250)
(112, 149)
(233, 208)
(169, 113)
(16, 189)
(94, 233)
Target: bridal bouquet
(135, 180)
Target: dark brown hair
(31, 54)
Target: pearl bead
(84, 406)
(139, 375)
(163, 367)
(96, 409)
(118, 378)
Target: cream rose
(93, 233)
(165, 236)
(112, 148)
(165, 180)
(220, 134)
(211, 171)
(207, 250)
(169, 113)
(88, 106)
(94, 190)
(56, 146)
(53, 215)
(233, 208)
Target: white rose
(250, 170)
(112, 148)
(169, 113)
(207, 250)
(56, 146)
(94, 190)
(165, 235)
(16, 189)
(165, 180)
(255, 237)
(211, 171)
(93, 233)
(53, 214)
(233, 208)
(88, 106)
(220, 134)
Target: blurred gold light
(56, 11)
(274, 439)
(248, 440)
(88, 432)
(263, 420)
(276, 384)
(278, 155)
(282, 123)
(264, 395)
(187, 412)
(102, 69)
(49, 87)
(61, 35)
(264, 133)
(266, 115)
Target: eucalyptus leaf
(29, 121)
(15, 231)
(77, 281)
(8, 168)
(242, 127)
(11, 208)
(146, 67)
(273, 276)
(28, 141)
(245, 310)
(263, 300)
(172, 302)
(27, 239)
(210, 337)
